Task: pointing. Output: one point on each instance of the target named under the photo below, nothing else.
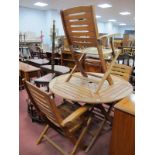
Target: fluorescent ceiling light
(112, 20)
(40, 4)
(105, 5)
(122, 24)
(97, 16)
(125, 13)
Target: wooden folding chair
(104, 110)
(81, 31)
(67, 118)
(122, 71)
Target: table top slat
(82, 91)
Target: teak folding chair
(81, 31)
(68, 118)
(124, 72)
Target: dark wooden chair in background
(35, 51)
(66, 118)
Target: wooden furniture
(66, 55)
(80, 90)
(67, 117)
(92, 52)
(123, 130)
(92, 65)
(44, 80)
(67, 59)
(28, 71)
(128, 39)
(58, 69)
(81, 31)
(38, 62)
(57, 57)
(122, 71)
(118, 42)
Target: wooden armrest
(108, 35)
(75, 115)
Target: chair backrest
(80, 26)
(44, 103)
(122, 71)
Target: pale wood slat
(115, 91)
(82, 39)
(39, 92)
(41, 100)
(77, 10)
(111, 90)
(79, 28)
(85, 78)
(76, 95)
(78, 23)
(79, 44)
(45, 109)
(80, 34)
(72, 91)
(81, 16)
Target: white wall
(36, 20)
(31, 20)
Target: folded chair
(81, 32)
(67, 118)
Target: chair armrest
(108, 35)
(76, 114)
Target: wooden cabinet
(66, 58)
(123, 130)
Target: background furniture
(123, 130)
(44, 80)
(58, 69)
(67, 59)
(28, 71)
(37, 62)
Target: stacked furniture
(84, 91)
(89, 88)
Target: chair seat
(44, 79)
(58, 69)
(66, 109)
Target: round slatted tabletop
(81, 90)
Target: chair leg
(95, 136)
(42, 134)
(55, 145)
(81, 136)
(102, 125)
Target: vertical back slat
(44, 103)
